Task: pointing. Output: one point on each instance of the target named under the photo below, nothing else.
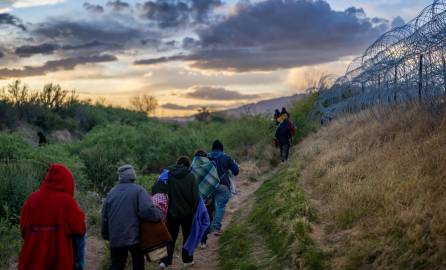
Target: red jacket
(48, 219)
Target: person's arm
(146, 209)
(76, 220)
(104, 226)
(233, 166)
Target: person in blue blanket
(225, 164)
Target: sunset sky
(188, 53)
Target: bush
(10, 241)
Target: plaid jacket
(161, 201)
(206, 174)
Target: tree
(203, 114)
(144, 103)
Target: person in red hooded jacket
(48, 220)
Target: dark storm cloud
(217, 93)
(93, 8)
(104, 30)
(160, 60)
(55, 65)
(118, 5)
(190, 43)
(276, 34)
(45, 48)
(49, 48)
(1, 54)
(175, 13)
(8, 19)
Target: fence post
(443, 60)
(420, 78)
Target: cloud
(55, 65)
(160, 60)
(174, 13)
(1, 54)
(118, 5)
(103, 30)
(27, 3)
(45, 48)
(8, 19)
(276, 34)
(398, 22)
(177, 107)
(217, 93)
(93, 8)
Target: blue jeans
(221, 197)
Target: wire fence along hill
(407, 63)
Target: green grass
(281, 217)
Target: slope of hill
(365, 192)
(264, 107)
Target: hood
(59, 178)
(126, 174)
(179, 171)
(200, 161)
(215, 154)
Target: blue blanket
(200, 224)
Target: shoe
(218, 232)
(203, 246)
(162, 266)
(187, 265)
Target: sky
(188, 53)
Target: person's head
(217, 146)
(284, 110)
(200, 153)
(126, 173)
(59, 178)
(183, 161)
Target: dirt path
(247, 183)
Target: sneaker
(187, 265)
(218, 232)
(203, 246)
(162, 266)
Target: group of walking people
(285, 131)
(190, 196)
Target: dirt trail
(247, 182)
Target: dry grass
(380, 186)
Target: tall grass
(380, 187)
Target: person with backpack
(206, 174)
(126, 204)
(225, 165)
(49, 221)
(284, 134)
(184, 198)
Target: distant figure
(125, 205)
(183, 202)
(276, 117)
(42, 138)
(225, 164)
(284, 135)
(49, 220)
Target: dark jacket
(125, 205)
(283, 133)
(183, 193)
(224, 164)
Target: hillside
(365, 192)
(264, 107)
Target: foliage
(144, 103)
(301, 115)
